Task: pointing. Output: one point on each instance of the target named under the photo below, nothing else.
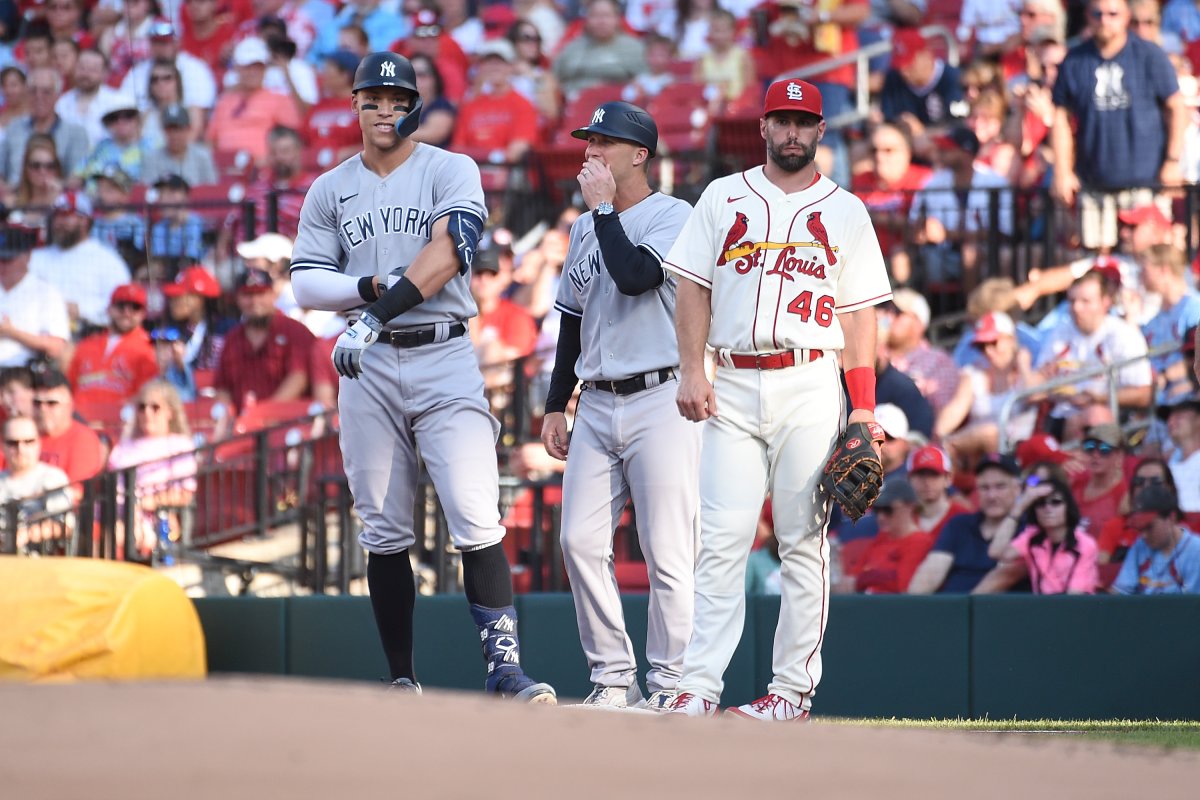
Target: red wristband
(860, 382)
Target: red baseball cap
(931, 459)
(793, 94)
(129, 293)
(193, 280)
(1109, 268)
(1147, 213)
(1040, 447)
(991, 326)
(906, 44)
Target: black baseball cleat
(516, 685)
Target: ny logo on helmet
(387, 69)
(598, 117)
(794, 91)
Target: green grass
(1166, 734)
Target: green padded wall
(892, 656)
(244, 634)
(1085, 657)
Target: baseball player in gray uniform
(617, 335)
(389, 235)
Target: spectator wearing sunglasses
(37, 486)
(1100, 488)
(1116, 536)
(67, 443)
(1054, 550)
(122, 145)
(159, 444)
(1166, 557)
(109, 367)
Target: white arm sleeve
(326, 290)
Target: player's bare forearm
(437, 262)
(695, 399)
(554, 435)
(292, 387)
(932, 573)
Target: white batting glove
(347, 353)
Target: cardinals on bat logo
(820, 235)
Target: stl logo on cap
(795, 91)
(598, 117)
(387, 69)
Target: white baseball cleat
(615, 697)
(690, 705)
(404, 686)
(659, 702)
(771, 708)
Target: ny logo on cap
(598, 117)
(387, 69)
(794, 91)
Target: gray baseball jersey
(428, 398)
(629, 447)
(622, 335)
(358, 223)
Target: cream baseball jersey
(355, 222)
(622, 336)
(781, 267)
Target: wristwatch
(603, 209)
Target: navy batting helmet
(390, 69)
(622, 120)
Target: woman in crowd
(16, 95)
(192, 310)
(128, 42)
(41, 180)
(438, 113)
(532, 77)
(1116, 536)
(1053, 551)
(165, 89)
(724, 65)
(984, 391)
(159, 444)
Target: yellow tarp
(64, 619)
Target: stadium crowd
(134, 135)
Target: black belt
(635, 384)
(418, 338)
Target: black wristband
(396, 300)
(367, 289)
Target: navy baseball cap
(344, 60)
(1000, 461)
(961, 138)
(16, 239)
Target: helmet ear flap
(407, 125)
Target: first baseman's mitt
(854, 475)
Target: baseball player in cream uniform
(781, 272)
(617, 335)
(389, 236)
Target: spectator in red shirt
(332, 126)
(282, 175)
(1116, 536)
(246, 112)
(929, 472)
(496, 123)
(891, 558)
(110, 367)
(503, 330)
(1101, 488)
(268, 356)
(207, 32)
(429, 39)
(67, 443)
(887, 190)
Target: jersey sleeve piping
(309, 264)
(872, 301)
(474, 212)
(574, 312)
(691, 276)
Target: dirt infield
(234, 738)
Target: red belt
(774, 360)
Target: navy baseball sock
(393, 595)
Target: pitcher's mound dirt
(231, 738)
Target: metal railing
(1108, 371)
(861, 59)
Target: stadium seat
(738, 142)
(239, 164)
